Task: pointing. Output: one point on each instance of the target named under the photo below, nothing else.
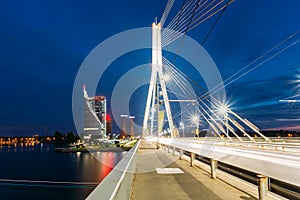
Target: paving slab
(194, 183)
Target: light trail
(272, 163)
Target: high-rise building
(131, 125)
(127, 126)
(108, 125)
(94, 117)
(124, 126)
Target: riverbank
(88, 149)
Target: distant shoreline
(88, 149)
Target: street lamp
(182, 126)
(167, 77)
(164, 133)
(223, 111)
(195, 120)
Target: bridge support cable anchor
(251, 126)
(209, 122)
(240, 128)
(192, 159)
(180, 154)
(213, 168)
(262, 182)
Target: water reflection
(109, 159)
(42, 163)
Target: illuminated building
(127, 125)
(131, 125)
(124, 126)
(94, 117)
(108, 125)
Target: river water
(37, 172)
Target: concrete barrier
(118, 183)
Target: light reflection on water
(42, 163)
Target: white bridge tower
(157, 76)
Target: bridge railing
(117, 184)
(284, 144)
(266, 164)
(282, 166)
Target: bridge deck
(194, 183)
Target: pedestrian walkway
(193, 183)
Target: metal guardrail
(250, 157)
(278, 144)
(279, 165)
(117, 184)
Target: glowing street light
(195, 120)
(165, 132)
(223, 111)
(182, 126)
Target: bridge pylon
(157, 76)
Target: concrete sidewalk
(194, 183)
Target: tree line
(60, 139)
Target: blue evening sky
(43, 43)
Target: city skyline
(44, 44)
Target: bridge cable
(236, 75)
(177, 17)
(243, 120)
(191, 21)
(213, 26)
(211, 102)
(178, 21)
(166, 12)
(195, 22)
(250, 63)
(232, 76)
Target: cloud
(258, 100)
(289, 127)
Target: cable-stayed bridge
(230, 139)
(214, 111)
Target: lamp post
(182, 126)
(195, 120)
(223, 111)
